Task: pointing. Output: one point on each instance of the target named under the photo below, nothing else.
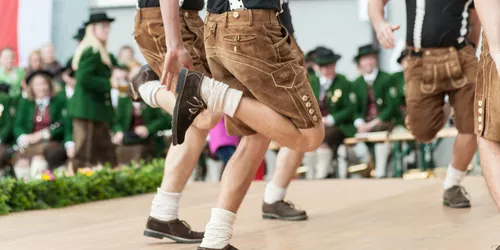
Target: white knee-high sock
(219, 97)
(165, 206)
(219, 230)
(453, 177)
(148, 90)
(382, 151)
(324, 162)
(343, 162)
(274, 193)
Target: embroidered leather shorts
(439, 72)
(486, 112)
(150, 36)
(251, 51)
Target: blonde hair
(91, 41)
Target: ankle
(219, 230)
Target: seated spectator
(49, 62)
(126, 57)
(221, 144)
(338, 106)
(39, 128)
(378, 103)
(5, 126)
(10, 74)
(135, 128)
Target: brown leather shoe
(188, 105)
(456, 197)
(176, 230)
(145, 74)
(228, 247)
(282, 210)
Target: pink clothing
(219, 138)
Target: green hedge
(17, 195)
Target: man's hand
(364, 128)
(34, 138)
(174, 60)
(118, 138)
(141, 131)
(385, 34)
(70, 152)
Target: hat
(325, 56)
(402, 56)
(4, 87)
(38, 72)
(98, 17)
(80, 34)
(364, 51)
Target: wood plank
(344, 214)
(395, 136)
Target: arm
(177, 55)
(383, 29)
(489, 14)
(85, 75)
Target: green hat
(80, 34)
(364, 51)
(325, 56)
(98, 18)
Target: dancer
(487, 90)
(441, 61)
(149, 34)
(249, 49)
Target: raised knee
(425, 135)
(311, 140)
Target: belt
(420, 53)
(148, 3)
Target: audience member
(90, 107)
(10, 74)
(378, 105)
(39, 127)
(5, 126)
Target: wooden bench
(396, 137)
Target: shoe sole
(180, 90)
(158, 235)
(460, 205)
(277, 217)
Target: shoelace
(195, 107)
(463, 191)
(187, 225)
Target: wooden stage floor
(353, 214)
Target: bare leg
(463, 150)
(286, 167)
(279, 128)
(235, 182)
(489, 152)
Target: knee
(311, 139)
(207, 120)
(425, 135)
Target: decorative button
(107, 103)
(315, 118)
(480, 127)
(480, 119)
(304, 98)
(236, 14)
(480, 103)
(311, 111)
(480, 111)
(427, 53)
(451, 49)
(235, 49)
(308, 104)
(186, 14)
(106, 95)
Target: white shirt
(370, 78)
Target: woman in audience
(39, 127)
(10, 74)
(90, 107)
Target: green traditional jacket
(154, 120)
(399, 78)
(5, 119)
(341, 101)
(25, 117)
(91, 100)
(387, 98)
